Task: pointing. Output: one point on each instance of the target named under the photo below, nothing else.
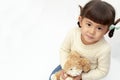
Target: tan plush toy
(73, 67)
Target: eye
(88, 24)
(99, 28)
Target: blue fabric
(55, 70)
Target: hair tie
(114, 27)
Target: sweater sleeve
(65, 48)
(102, 68)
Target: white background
(31, 32)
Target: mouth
(90, 37)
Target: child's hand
(78, 77)
(63, 75)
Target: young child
(96, 19)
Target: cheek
(99, 35)
(83, 30)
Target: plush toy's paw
(53, 77)
(69, 78)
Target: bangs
(95, 15)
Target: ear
(80, 19)
(74, 55)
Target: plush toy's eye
(71, 69)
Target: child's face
(91, 32)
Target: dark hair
(100, 12)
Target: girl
(96, 19)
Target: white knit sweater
(98, 54)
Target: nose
(92, 30)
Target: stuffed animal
(73, 67)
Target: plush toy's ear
(74, 54)
(85, 64)
(86, 68)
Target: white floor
(31, 32)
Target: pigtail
(117, 21)
(111, 32)
(78, 24)
(80, 15)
